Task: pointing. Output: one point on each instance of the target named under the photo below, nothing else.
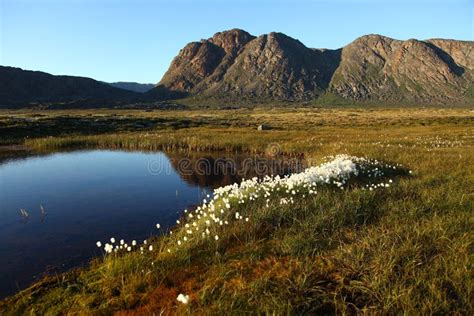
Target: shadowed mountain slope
(22, 87)
(133, 86)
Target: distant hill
(235, 64)
(20, 87)
(133, 86)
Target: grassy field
(404, 249)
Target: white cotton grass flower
(129, 248)
(108, 248)
(219, 209)
(99, 244)
(134, 242)
(150, 248)
(183, 298)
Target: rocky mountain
(133, 86)
(381, 68)
(20, 87)
(235, 64)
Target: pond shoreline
(404, 248)
(43, 177)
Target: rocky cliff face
(235, 63)
(275, 66)
(201, 64)
(461, 52)
(380, 68)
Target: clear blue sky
(125, 40)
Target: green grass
(404, 249)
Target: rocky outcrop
(201, 64)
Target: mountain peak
(232, 40)
(372, 40)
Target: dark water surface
(94, 195)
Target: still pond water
(97, 194)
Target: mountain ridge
(235, 66)
(373, 67)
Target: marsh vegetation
(406, 247)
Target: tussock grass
(404, 249)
